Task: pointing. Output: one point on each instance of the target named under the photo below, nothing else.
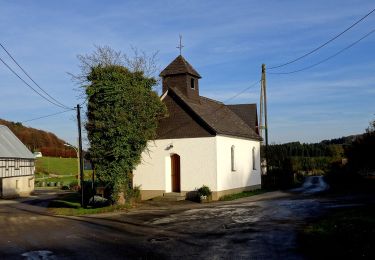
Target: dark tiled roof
(181, 121)
(248, 113)
(218, 117)
(179, 66)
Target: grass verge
(242, 195)
(341, 234)
(57, 165)
(69, 205)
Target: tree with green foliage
(122, 116)
(361, 152)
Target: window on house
(17, 164)
(192, 83)
(233, 166)
(253, 155)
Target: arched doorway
(175, 173)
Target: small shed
(17, 166)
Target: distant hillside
(342, 140)
(38, 140)
(325, 148)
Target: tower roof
(179, 66)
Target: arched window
(233, 166)
(253, 155)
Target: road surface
(258, 227)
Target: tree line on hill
(40, 141)
(341, 158)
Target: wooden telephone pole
(80, 152)
(263, 113)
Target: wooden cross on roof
(180, 46)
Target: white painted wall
(244, 175)
(197, 161)
(17, 186)
(203, 161)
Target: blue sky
(226, 42)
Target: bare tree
(104, 56)
(140, 61)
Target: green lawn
(341, 234)
(55, 169)
(69, 204)
(56, 165)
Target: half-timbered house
(16, 166)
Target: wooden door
(175, 171)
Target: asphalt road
(258, 227)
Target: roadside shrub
(204, 194)
(341, 176)
(65, 187)
(74, 185)
(204, 191)
(133, 194)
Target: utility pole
(80, 152)
(263, 106)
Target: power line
(71, 109)
(27, 84)
(2, 46)
(242, 91)
(324, 44)
(328, 58)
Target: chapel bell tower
(180, 75)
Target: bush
(65, 187)
(360, 153)
(134, 193)
(197, 195)
(204, 191)
(74, 185)
(341, 176)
